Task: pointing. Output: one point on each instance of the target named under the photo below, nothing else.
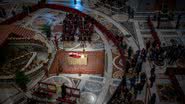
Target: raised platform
(82, 60)
(91, 63)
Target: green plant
(124, 46)
(128, 35)
(21, 79)
(46, 29)
(49, 55)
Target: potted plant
(21, 80)
(49, 55)
(46, 29)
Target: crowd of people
(159, 53)
(134, 73)
(75, 25)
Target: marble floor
(99, 88)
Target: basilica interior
(92, 52)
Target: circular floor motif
(120, 62)
(108, 26)
(120, 17)
(115, 50)
(59, 80)
(118, 74)
(68, 44)
(87, 98)
(100, 19)
(40, 21)
(180, 63)
(95, 37)
(97, 45)
(93, 86)
(104, 10)
(56, 14)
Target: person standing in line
(152, 71)
(118, 94)
(1, 12)
(63, 90)
(143, 54)
(30, 9)
(138, 67)
(152, 54)
(4, 12)
(132, 82)
(129, 97)
(129, 52)
(132, 13)
(177, 54)
(137, 55)
(133, 63)
(136, 90)
(124, 83)
(127, 66)
(143, 77)
(13, 13)
(139, 87)
(39, 1)
(126, 92)
(23, 8)
(27, 10)
(148, 44)
(153, 99)
(152, 80)
(82, 2)
(154, 44)
(155, 55)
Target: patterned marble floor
(7, 92)
(93, 87)
(90, 89)
(163, 82)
